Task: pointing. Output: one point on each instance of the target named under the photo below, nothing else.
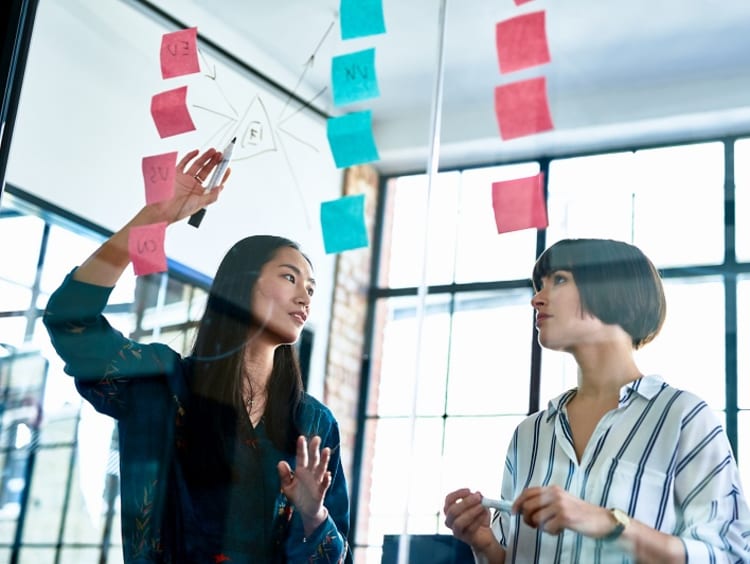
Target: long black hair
(217, 355)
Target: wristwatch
(621, 519)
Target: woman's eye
(290, 277)
(560, 279)
(310, 292)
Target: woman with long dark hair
(223, 456)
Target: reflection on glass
(19, 234)
(690, 350)
(742, 199)
(667, 201)
(490, 353)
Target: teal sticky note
(343, 223)
(353, 77)
(351, 140)
(360, 18)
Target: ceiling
(621, 71)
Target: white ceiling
(621, 71)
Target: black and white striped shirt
(662, 457)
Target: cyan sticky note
(360, 18)
(353, 77)
(343, 223)
(351, 140)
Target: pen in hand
(218, 174)
(499, 504)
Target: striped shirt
(662, 457)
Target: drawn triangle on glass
(254, 132)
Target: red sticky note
(158, 176)
(146, 248)
(170, 112)
(179, 53)
(522, 42)
(519, 204)
(519, 2)
(522, 108)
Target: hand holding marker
(197, 217)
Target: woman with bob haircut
(623, 467)
(223, 456)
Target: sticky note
(158, 176)
(343, 223)
(519, 2)
(360, 18)
(146, 248)
(353, 77)
(522, 42)
(170, 112)
(351, 140)
(519, 204)
(179, 53)
(522, 108)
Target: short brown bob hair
(617, 283)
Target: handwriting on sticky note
(351, 140)
(522, 108)
(343, 223)
(360, 18)
(522, 42)
(158, 176)
(519, 204)
(353, 77)
(146, 248)
(170, 112)
(179, 53)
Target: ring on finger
(198, 178)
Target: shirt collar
(646, 387)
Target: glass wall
(462, 300)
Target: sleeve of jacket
(100, 358)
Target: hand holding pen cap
(216, 178)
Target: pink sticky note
(179, 53)
(522, 42)
(158, 176)
(522, 108)
(519, 2)
(519, 204)
(170, 112)
(146, 248)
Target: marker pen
(499, 504)
(221, 168)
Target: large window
(453, 363)
(59, 488)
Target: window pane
(483, 254)
(397, 463)
(654, 198)
(742, 199)
(394, 361)
(689, 352)
(475, 449)
(679, 204)
(403, 257)
(18, 260)
(559, 373)
(44, 512)
(490, 353)
(743, 338)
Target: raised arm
(105, 266)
